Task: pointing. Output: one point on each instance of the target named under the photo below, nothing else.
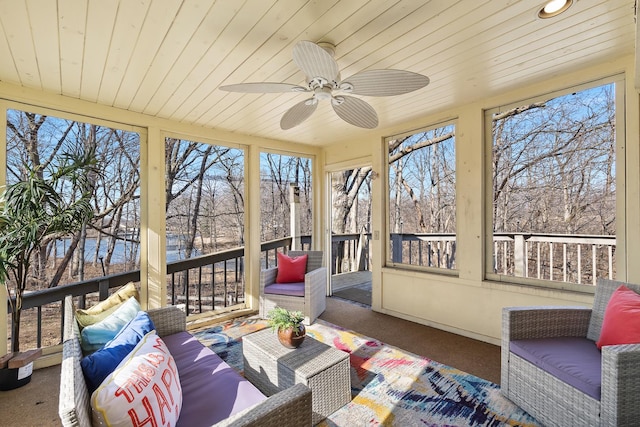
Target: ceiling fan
(323, 79)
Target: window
(422, 198)
(205, 198)
(110, 242)
(278, 174)
(553, 187)
(205, 215)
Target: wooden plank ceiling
(167, 58)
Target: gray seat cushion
(290, 289)
(576, 361)
(211, 390)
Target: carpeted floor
(469, 355)
(390, 386)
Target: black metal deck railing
(204, 283)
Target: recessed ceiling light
(554, 8)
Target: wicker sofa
(291, 407)
(614, 394)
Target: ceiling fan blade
(298, 113)
(314, 61)
(385, 82)
(355, 111)
(263, 87)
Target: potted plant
(49, 203)
(288, 325)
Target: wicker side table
(271, 367)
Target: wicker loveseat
(291, 407)
(608, 399)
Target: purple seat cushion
(576, 361)
(211, 389)
(291, 289)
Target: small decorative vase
(290, 339)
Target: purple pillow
(97, 366)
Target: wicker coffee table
(271, 367)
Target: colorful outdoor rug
(390, 387)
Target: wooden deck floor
(354, 286)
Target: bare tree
(37, 139)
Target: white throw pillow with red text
(143, 390)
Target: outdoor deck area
(353, 286)
(37, 402)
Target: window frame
(388, 261)
(620, 178)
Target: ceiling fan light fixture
(323, 93)
(554, 8)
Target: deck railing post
(103, 290)
(396, 244)
(519, 255)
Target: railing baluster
(225, 283)
(39, 333)
(550, 260)
(579, 263)
(526, 258)
(564, 262)
(610, 252)
(237, 267)
(186, 291)
(504, 258)
(213, 274)
(199, 289)
(236, 283)
(62, 322)
(538, 261)
(594, 267)
(173, 289)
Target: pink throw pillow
(621, 323)
(291, 269)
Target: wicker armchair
(312, 304)
(551, 400)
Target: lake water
(122, 250)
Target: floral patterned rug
(390, 387)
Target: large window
(110, 242)
(422, 198)
(553, 187)
(282, 176)
(205, 215)
(204, 198)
